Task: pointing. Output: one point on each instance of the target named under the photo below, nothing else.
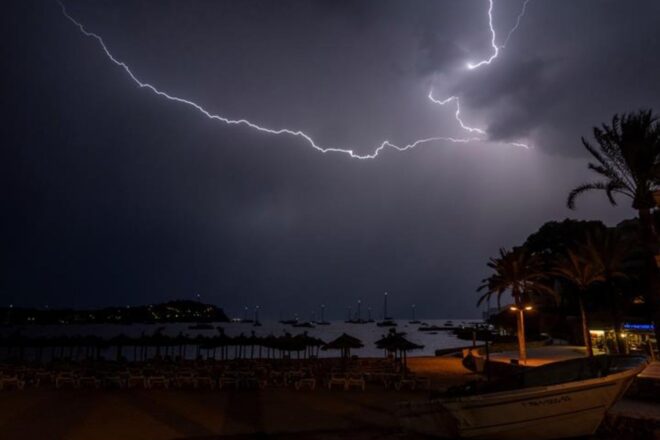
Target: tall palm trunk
(522, 345)
(585, 327)
(618, 329)
(617, 317)
(520, 322)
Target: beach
(80, 414)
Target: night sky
(112, 195)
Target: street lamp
(515, 308)
(521, 329)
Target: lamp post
(520, 310)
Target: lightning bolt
(281, 131)
(471, 66)
(515, 27)
(298, 133)
(496, 49)
(493, 36)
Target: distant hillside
(171, 311)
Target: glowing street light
(521, 326)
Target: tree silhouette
(520, 273)
(627, 158)
(582, 274)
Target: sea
(368, 333)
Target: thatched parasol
(396, 343)
(344, 343)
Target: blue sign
(647, 327)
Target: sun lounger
(185, 379)
(157, 382)
(355, 381)
(225, 381)
(134, 381)
(11, 382)
(337, 380)
(308, 382)
(204, 382)
(65, 380)
(88, 382)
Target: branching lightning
(298, 133)
(493, 37)
(471, 66)
(515, 27)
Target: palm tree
(582, 274)
(520, 273)
(627, 157)
(611, 253)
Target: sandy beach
(202, 414)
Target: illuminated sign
(629, 326)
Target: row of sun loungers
(212, 375)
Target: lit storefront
(637, 337)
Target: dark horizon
(114, 196)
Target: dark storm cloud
(114, 195)
(571, 65)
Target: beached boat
(557, 400)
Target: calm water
(367, 333)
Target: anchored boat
(557, 400)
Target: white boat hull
(566, 410)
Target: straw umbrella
(396, 343)
(270, 342)
(344, 343)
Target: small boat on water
(556, 400)
(430, 328)
(414, 320)
(303, 325)
(387, 321)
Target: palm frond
(572, 196)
